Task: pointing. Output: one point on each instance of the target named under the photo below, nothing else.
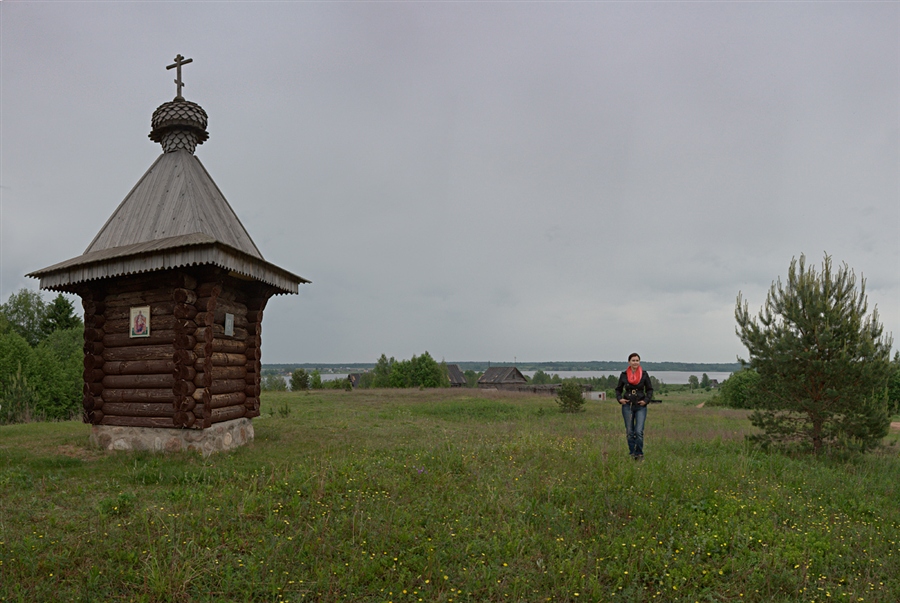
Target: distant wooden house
(502, 377)
(173, 290)
(457, 378)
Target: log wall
(188, 373)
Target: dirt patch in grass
(895, 425)
(77, 452)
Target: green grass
(411, 496)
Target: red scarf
(634, 377)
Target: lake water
(669, 377)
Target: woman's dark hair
(632, 355)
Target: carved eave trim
(164, 254)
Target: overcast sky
(481, 180)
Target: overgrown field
(406, 496)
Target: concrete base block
(227, 435)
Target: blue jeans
(634, 427)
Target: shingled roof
(500, 375)
(174, 216)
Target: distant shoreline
(547, 367)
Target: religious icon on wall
(140, 321)
(229, 325)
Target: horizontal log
(157, 323)
(121, 340)
(92, 361)
(93, 347)
(209, 289)
(229, 346)
(201, 396)
(185, 311)
(254, 316)
(206, 304)
(94, 388)
(92, 307)
(93, 335)
(228, 413)
(138, 409)
(164, 308)
(185, 403)
(222, 359)
(226, 386)
(92, 375)
(148, 281)
(138, 395)
(184, 296)
(94, 321)
(184, 388)
(184, 419)
(254, 354)
(163, 381)
(251, 403)
(257, 304)
(138, 298)
(137, 421)
(250, 414)
(184, 357)
(232, 399)
(94, 417)
(184, 373)
(88, 403)
(148, 352)
(217, 373)
(252, 391)
(139, 367)
(203, 319)
(183, 341)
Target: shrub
(569, 397)
(737, 390)
(17, 400)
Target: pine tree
(823, 363)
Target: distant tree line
(41, 358)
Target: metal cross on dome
(179, 61)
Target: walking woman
(634, 392)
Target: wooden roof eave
(163, 255)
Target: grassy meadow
(407, 496)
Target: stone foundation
(227, 435)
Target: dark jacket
(642, 392)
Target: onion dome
(179, 124)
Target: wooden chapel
(173, 290)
